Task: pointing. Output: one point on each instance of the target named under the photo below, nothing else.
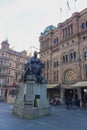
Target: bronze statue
(34, 66)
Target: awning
(80, 84)
(53, 86)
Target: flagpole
(60, 14)
(67, 11)
(74, 6)
(68, 8)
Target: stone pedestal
(32, 100)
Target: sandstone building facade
(63, 49)
(11, 67)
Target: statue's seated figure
(34, 66)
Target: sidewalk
(60, 119)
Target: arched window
(83, 26)
(85, 55)
(57, 63)
(73, 56)
(86, 70)
(65, 58)
(47, 64)
(86, 24)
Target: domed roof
(48, 28)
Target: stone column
(79, 95)
(62, 94)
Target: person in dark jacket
(68, 102)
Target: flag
(68, 5)
(60, 9)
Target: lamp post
(1, 82)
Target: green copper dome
(47, 29)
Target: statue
(34, 66)
(31, 101)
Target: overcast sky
(22, 21)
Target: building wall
(64, 48)
(11, 66)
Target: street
(60, 119)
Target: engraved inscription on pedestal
(29, 91)
(29, 95)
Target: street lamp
(1, 82)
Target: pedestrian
(68, 102)
(78, 103)
(73, 103)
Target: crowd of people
(70, 103)
(56, 100)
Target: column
(79, 95)
(62, 94)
